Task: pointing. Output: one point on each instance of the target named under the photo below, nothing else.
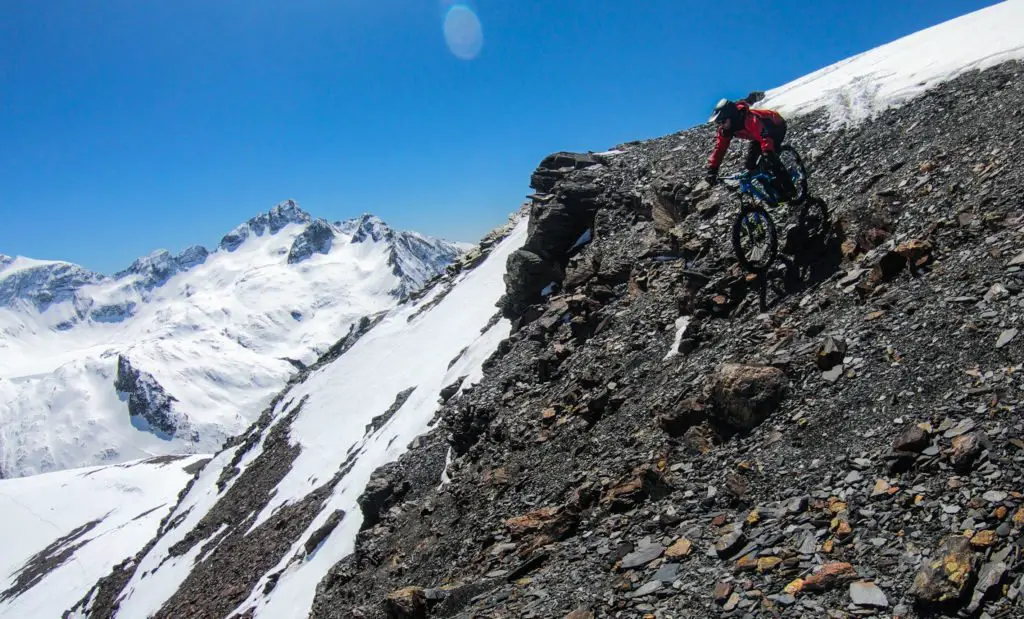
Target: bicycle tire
(772, 249)
(800, 180)
(814, 218)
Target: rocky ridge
(666, 436)
(413, 258)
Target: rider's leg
(780, 136)
(781, 180)
(753, 155)
(784, 182)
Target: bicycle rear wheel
(814, 218)
(795, 166)
(754, 238)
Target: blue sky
(129, 126)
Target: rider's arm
(721, 146)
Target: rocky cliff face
(155, 269)
(316, 238)
(42, 283)
(664, 435)
(149, 404)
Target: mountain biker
(765, 129)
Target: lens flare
(463, 32)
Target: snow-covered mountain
(176, 353)
(282, 507)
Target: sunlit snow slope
(62, 531)
(862, 86)
(213, 335)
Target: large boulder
(745, 394)
(945, 576)
(556, 227)
(385, 489)
(830, 353)
(554, 167)
(407, 603)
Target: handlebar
(735, 177)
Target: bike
(754, 235)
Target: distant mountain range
(178, 351)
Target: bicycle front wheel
(754, 239)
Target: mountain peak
(159, 266)
(42, 282)
(287, 212)
(367, 226)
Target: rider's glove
(712, 176)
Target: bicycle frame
(747, 186)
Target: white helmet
(723, 110)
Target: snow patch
(681, 324)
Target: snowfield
(102, 515)
(220, 333)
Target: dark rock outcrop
(316, 238)
(154, 270)
(325, 530)
(385, 488)
(557, 227)
(554, 167)
(47, 560)
(149, 405)
(381, 420)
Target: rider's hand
(712, 176)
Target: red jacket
(758, 125)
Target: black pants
(778, 136)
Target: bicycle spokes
(755, 237)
